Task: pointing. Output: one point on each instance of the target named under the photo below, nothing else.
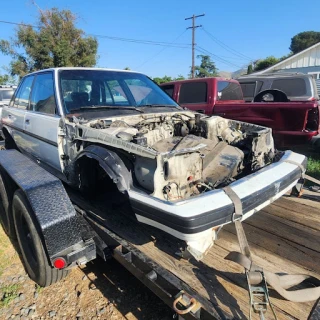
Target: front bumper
(191, 218)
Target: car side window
(168, 89)
(21, 100)
(229, 91)
(291, 87)
(42, 96)
(248, 89)
(193, 92)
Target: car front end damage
(179, 164)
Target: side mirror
(219, 95)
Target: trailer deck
(283, 237)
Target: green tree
(250, 69)
(180, 77)
(286, 56)
(4, 79)
(265, 63)
(304, 40)
(55, 43)
(207, 68)
(164, 79)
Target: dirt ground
(100, 290)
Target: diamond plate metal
(52, 207)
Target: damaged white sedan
(94, 126)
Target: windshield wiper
(107, 107)
(159, 105)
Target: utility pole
(193, 38)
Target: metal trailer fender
(60, 226)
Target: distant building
(306, 61)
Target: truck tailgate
(292, 123)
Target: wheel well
(6, 133)
(93, 177)
(9, 141)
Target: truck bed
(284, 237)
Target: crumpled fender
(111, 163)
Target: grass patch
(9, 293)
(39, 289)
(313, 168)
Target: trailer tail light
(59, 263)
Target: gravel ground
(100, 290)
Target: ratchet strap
(302, 168)
(258, 279)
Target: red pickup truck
(293, 123)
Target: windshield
(88, 89)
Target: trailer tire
(7, 189)
(33, 253)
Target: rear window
(193, 92)
(229, 91)
(291, 87)
(168, 89)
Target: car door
(13, 116)
(42, 120)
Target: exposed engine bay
(178, 155)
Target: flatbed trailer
(284, 236)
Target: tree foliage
(4, 79)
(207, 68)
(250, 69)
(55, 43)
(165, 79)
(265, 63)
(304, 40)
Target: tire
(7, 189)
(33, 253)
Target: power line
(226, 47)
(156, 54)
(148, 42)
(204, 51)
(19, 24)
(193, 27)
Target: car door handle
(27, 121)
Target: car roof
(82, 68)
(199, 79)
(274, 75)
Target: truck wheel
(7, 189)
(32, 250)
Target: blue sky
(254, 29)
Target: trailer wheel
(32, 250)
(7, 189)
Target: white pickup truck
(91, 127)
